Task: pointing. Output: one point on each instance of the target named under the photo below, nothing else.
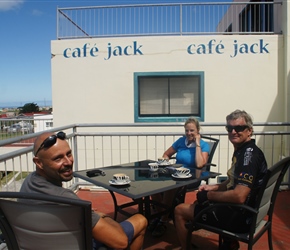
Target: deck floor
(102, 201)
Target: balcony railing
(169, 19)
(99, 145)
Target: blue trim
(172, 118)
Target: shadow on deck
(202, 239)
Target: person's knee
(179, 209)
(142, 220)
(139, 222)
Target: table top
(143, 181)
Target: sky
(26, 29)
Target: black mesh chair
(60, 223)
(213, 143)
(262, 212)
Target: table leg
(140, 206)
(147, 207)
(115, 204)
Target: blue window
(168, 96)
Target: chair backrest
(213, 143)
(269, 189)
(58, 223)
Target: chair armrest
(210, 164)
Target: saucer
(164, 163)
(113, 182)
(181, 177)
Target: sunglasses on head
(239, 128)
(51, 140)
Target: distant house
(7, 115)
(32, 114)
(42, 122)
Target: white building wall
(100, 88)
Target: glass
(51, 140)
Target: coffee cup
(182, 171)
(153, 166)
(120, 178)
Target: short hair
(241, 114)
(192, 120)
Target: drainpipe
(286, 35)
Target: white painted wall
(93, 89)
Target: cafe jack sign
(135, 49)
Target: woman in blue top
(192, 152)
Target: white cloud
(37, 12)
(6, 5)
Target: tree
(29, 108)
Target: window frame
(137, 118)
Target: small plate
(112, 182)
(164, 163)
(181, 177)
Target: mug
(120, 178)
(182, 171)
(153, 166)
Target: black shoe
(229, 244)
(160, 229)
(152, 224)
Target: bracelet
(105, 216)
(197, 145)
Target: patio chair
(262, 211)
(60, 223)
(213, 143)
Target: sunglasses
(51, 140)
(239, 128)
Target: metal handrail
(98, 145)
(170, 18)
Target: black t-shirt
(248, 168)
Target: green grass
(11, 175)
(22, 176)
(4, 135)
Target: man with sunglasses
(244, 179)
(54, 164)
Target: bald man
(54, 164)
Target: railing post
(180, 21)
(75, 149)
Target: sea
(12, 105)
